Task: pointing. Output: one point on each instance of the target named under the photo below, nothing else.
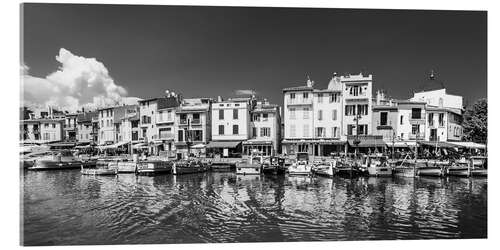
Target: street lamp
(356, 141)
(188, 137)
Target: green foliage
(476, 122)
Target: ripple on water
(64, 207)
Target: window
(415, 129)
(102, 124)
(254, 132)
(320, 115)
(350, 109)
(292, 95)
(265, 132)
(180, 135)
(292, 113)
(334, 114)
(355, 90)
(401, 120)
(306, 130)
(441, 119)
(292, 130)
(350, 129)
(416, 113)
(265, 117)
(320, 132)
(196, 118)
(320, 98)
(335, 132)
(431, 119)
(363, 109)
(221, 129)
(256, 117)
(169, 115)
(221, 114)
(306, 113)
(334, 97)
(303, 148)
(235, 130)
(197, 135)
(235, 114)
(305, 95)
(383, 118)
(363, 129)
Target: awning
(368, 142)
(439, 144)
(116, 145)
(139, 145)
(201, 145)
(402, 144)
(316, 141)
(257, 142)
(223, 144)
(468, 144)
(82, 146)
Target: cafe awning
(469, 144)
(223, 144)
(402, 144)
(257, 142)
(116, 145)
(439, 144)
(368, 143)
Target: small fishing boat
(57, 160)
(404, 167)
(248, 166)
(98, 171)
(376, 165)
(154, 167)
(127, 167)
(327, 169)
(430, 168)
(479, 166)
(188, 167)
(221, 167)
(348, 167)
(460, 168)
(27, 159)
(301, 166)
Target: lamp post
(356, 141)
(187, 133)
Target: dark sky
(210, 51)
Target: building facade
(84, 127)
(265, 126)
(193, 126)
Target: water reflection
(68, 208)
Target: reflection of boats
(431, 168)
(301, 166)
(479, 166)
(252, 165)
(57, 160)
(188, 167)
(327, 169)
(459, 168)
(154, 167)
(376, 165)
(98, 171)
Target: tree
(476, 122)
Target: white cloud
(79, 82)
(245, 92)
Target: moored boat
(188, 167)
(459, 168)
(98, 171)
(479, 166)
(57, 160)
(376, 165)
(301, 166)
(127, 167)
(250, 166)
(154, 167)
(430, 168)
(327, 169)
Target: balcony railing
(307, 101)
(416, 137)
(167, 136)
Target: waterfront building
(165, 122)
(444, 111)
(357, 97)
(70, 124)
(313, 119)
(230, 125)
(193, 126)
(42, 130)
(265, 125)
(84, 127)
(110, 119)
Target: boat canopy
(223, 144)
(469, 144)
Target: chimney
(219, 99)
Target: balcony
(292, 102)
(167, 136)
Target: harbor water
(65, 208)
